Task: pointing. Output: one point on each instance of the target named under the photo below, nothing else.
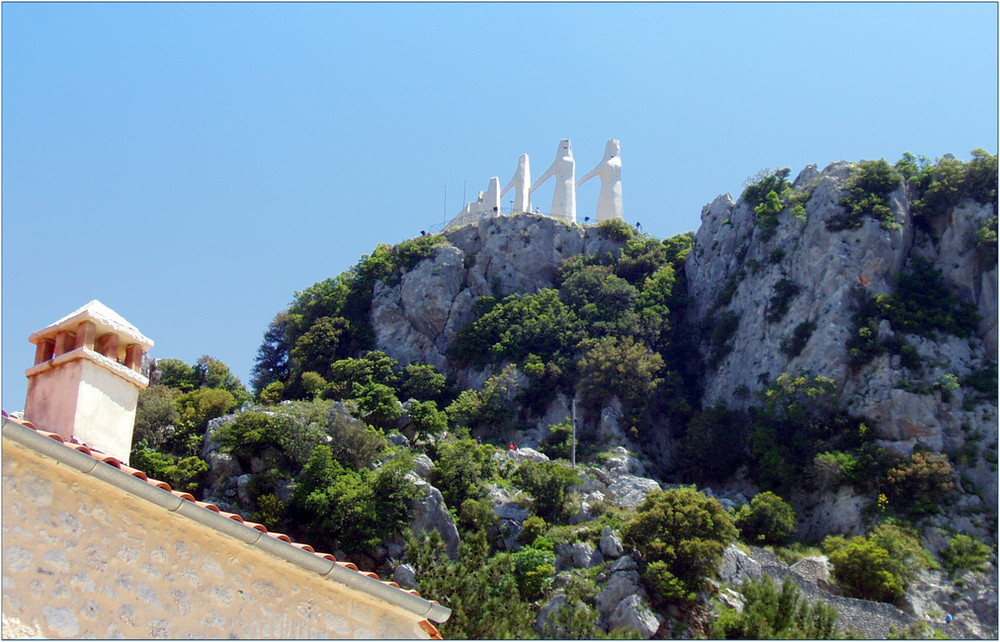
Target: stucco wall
(84, 559)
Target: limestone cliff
(739, 273)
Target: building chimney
(86, 379)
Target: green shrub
(681, 534)
(765, 181)
(615, 229)
(965, 553)
(532, 528)
(427, 420)
(722, 329)
(559, 442)
(355, 509)
(793, 345)
(768, 519)
(481, 591)
(767, 214)
(877, 567)
(921, 484)
(831, 469)
(922, 303)
(270, 511)
(770, 613)
(535, 568)
(784, 291)
(182, 473)
(868, 189)
(549, 485)
(462, 470)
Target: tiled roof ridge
(426, 625)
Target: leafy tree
(354, 444)
(598, 297)
(423, 381)
(800, 416)
(462, 470)
(426, 419)
(271, 364)
(831, 469)
(195, 409)
(618, 366)
(922, 303)
(615, 229)
(378, 403)
(373, 367)
(768, 519)
(480, 590)
(879, 566)
(680, 534)
(272, 394)
(360, 508)
(771, 613)
(312, 383)
(490, 410)
(549, 485)
(155, 415)
(559, 443)
(921, 484)
(520, 325)
(765, 181)
(176, 374)
(213, 373)
(640, 257)
(708, 450)
(318, 347)
(944, 184)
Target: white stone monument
(491, 201)
(563, 168)
(86, 379)
(609, 203)
(522, 186)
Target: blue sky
(193, 165)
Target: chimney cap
(102, 316)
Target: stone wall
(85, 559)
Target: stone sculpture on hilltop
(563, 168)
(609, 203)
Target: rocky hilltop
(417, 319)
(819, 358)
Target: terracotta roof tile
(426, 625)
(188, 496)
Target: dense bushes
(771, 613)
(768, 519)
(481, 591)
(549, 485)
(879, 566)
(680, 534)
(922, 303)
(357, 509)
(868, 189)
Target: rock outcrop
(418, 319)
(805, 278)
